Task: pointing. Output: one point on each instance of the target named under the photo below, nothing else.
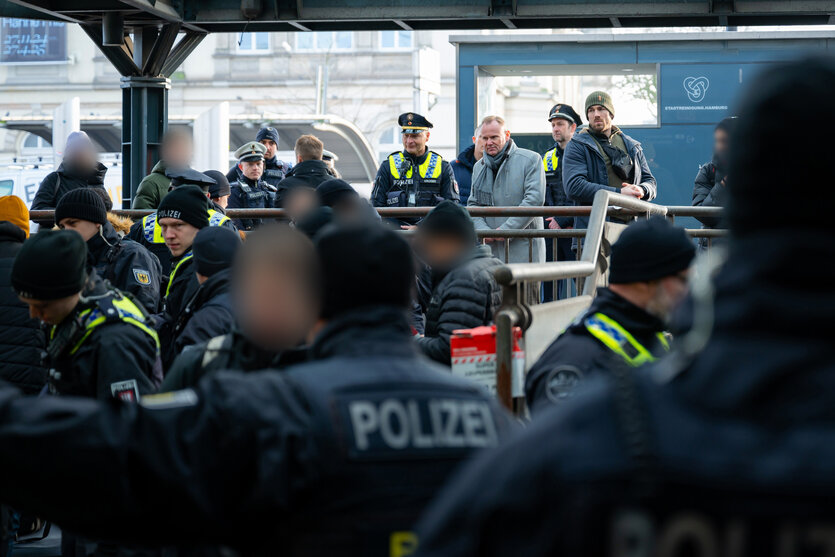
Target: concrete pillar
(211, 139)
(66, 118)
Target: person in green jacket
(176, 152)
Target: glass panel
(245, 41)
(6, 187)
(344, 39)
(387, 39)
(31, 141)
(262, 41)
(324, 40)
(404, 39)
(304, 41)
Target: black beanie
(649, 250)
(333, 191)
(214, 249)
(314, 221)
(186, 203)
(50, 265)
(364, 265)
(83, 204)
(221, 186)
(449, 219)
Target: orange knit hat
(13, 209)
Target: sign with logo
(701, 93)
(25, 40)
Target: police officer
(336, 456)
(272, 299)
(250, 191)
(564, 122)
(100, 342)
(219, 191)
(416, 176)
(723, 449)
(125, 264)
(624, 327)
(275, 170)
(148, 231)
(181, 215)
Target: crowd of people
(241, 384)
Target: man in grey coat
(601, 157)
(508, 176)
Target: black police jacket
(727, 453)
(577, 355)
(247, 194)
(207, 314)
(22, 339)
(274, 172)
(127, 265)
(305, 174)
(554, 192)
(334, 457)
(465, 297)
(115, 359)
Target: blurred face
(440, 252)
(51, 312)
(478, 141)
(86, 228)
(562, 130)
(271, 146)
(494, 137)
(669, 293)
(223, 200)
(252, 169)
(81, 159)
(415, 143)
(600, 120)
(178, 235)
(720, 142)
(275, 309)
(177, 152)
(300, 201)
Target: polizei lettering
(393, 427)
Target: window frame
(254, 51)
(397, 46)
(316, 48)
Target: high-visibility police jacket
(105, 349)
(554, 192)
(148, 232)
(613, 332)
(406, 181)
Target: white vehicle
(22, 176)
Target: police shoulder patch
(127, 391)
(561, 382)
(142, 276)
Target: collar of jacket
(312, 167)
(478, 252)
(559, 149)
(467, 157)
(96, 178)
(368, 331)
(417, 161)
(97, 247)
(11, 233)
(637, 321)
(583, 137)
(249, 181)
(275, 163)
(214, 286)
(496, 162)
(159, 168)
(93, 288)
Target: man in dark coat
(275, 306)
(274, 169)
(462, 167)
(336, 456)
(100, 342)
(22, 340)
(79, 169)
(602, 157)
(310, 170)
(625, 325)
(125, 264)
(724, 449)
(209, 312)
(464, 292)
(710, 187)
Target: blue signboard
(25, 40)
(701, 93)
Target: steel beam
(161, 49)
(180, 52)
(120, 56)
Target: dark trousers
(564, 253)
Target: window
(35, 145)
(254, 42)
(6, 187)
(401, 39)
(389, 141)
(325, 40)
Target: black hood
(216, 285)
(93, 179)
(467, 157)
(368, 331)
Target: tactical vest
(425, 191)
(550, 161)
(152, 231)
(617, 339)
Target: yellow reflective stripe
(152, 230)
(550, 161)
(612, 335)
(431, 166)
(128, 313)
(174, 272)
(216, 218)
(395, 161)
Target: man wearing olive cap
(250, 191)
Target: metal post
(144, 121)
